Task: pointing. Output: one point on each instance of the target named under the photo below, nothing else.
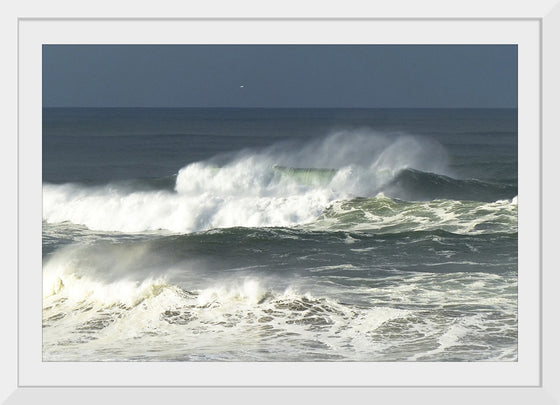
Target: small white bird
(241, 86)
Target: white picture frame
(26, 379)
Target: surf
(268, 188)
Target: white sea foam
(137, 320)
(103, 307)
(383, 213)
(158, 321)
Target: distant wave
(418, 185)
(411, 184)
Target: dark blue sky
(377, 76)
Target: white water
(89, 317)
(247, 191)
(383, 213)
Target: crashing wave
(270, 188)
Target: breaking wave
(106, 311)
(281, 186)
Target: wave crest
(269, 188)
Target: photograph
(279, 203)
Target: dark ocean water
(279, 235)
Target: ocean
(279, 234)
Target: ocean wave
(87, 316)
(268, 189)
(312, 211)
(84, 264)
(245, 311)
(417, 185)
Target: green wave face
(306, 176)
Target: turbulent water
(279, 235)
